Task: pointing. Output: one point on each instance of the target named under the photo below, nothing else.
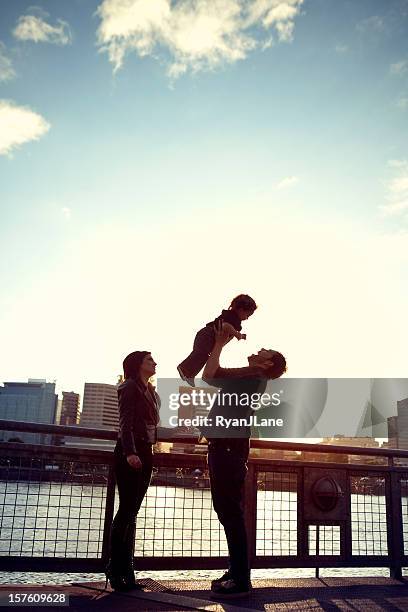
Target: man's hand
(223, 333)
(134, 462)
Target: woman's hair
(132, 363)
(243, 301)
(279, 365)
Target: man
(228, 451)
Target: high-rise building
(100, 406)
(398, 426)
(392, 424)
(34, 401)
(99, 411)
(70, 408)
(58, 411)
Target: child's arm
(233, 332)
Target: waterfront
(264, 574)
(56, 519)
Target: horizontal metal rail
(57, 504)
(110, 434)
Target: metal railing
(316, 509)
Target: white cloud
(341, 48)
(18, 125)
(6, 68)
(288, 181)
(375, 23)
(396, 190)
(267, 44)
(197, 34)
(398, 163)
(66, 212)
(399, 68)
(402, 103)
(31, 27)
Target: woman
(228, 451)
(138, 419)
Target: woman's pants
(227, 464)
(132, 486)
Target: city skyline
(157, 159)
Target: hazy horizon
(158, 158)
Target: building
(398, 426)
(392, 425)
(99, 411)
(70, 408)
(340, 440)
(58, 412)
(362, 442)
(34, 401)
(100, 406)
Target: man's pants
(227, 463)
(202, 347)
(132, 487)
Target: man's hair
(279, 365)
(243, 301)
(132, 363)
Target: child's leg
(203, 345)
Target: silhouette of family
(228, 450)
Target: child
(240, 309)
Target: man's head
(272, 362)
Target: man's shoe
(130, 582)
(229, 589)
(188, 379)
(225, 576)
(132, 585)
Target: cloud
(267, 44)
(288, 181)
(66, 212)
(36, 29)
(399, 68)
(375, 23)
(192, 35)
(396, 189)
(6, 68)
(341, 48)
(18, 125)
(402, 103)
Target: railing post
(250, 496)
(394, 524)
(109, 508)
(302, 526)
(347, 529)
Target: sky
(157, 158)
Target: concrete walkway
(299, 594)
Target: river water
(58, 519)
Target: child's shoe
(189, 379)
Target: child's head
(243, 305)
